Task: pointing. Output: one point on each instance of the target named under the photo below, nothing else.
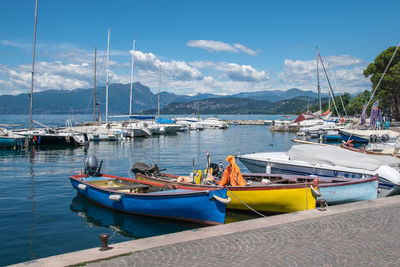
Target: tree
(355, 105)
(389, 90)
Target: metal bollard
(104, 242)
(322, 204)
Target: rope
(306, 196)
(250, 208)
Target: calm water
(42, 215)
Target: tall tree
(389, 90)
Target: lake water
(42, 215)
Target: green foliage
(388, 91)
(355, 105)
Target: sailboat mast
(133, 59)
(94, 88)
(329, 84)
(33, 67)
(318, 87)
(198, 107)
(159, 89)
(108, 55)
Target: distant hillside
(278, 95)
(235, 105)
(80, 101)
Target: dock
(247, 122)
(357, 234)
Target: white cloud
(218, 46)
(234, 72)
(303, 74)
(176, 70)
(48, 75)
(245, 49)
(65, 66)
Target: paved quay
(357, 234)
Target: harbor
(151, 147)
(361, 233)
(80, 223)
(47, 208)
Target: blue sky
(220, 47)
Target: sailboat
(317, 123)
(136, 129)
(161, 125)
(9, 139)
(48, 135)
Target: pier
(248, 122)
(356, 234)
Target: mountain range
(80, 101)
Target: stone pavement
(358, 234)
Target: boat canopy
(304, 116)
(164, 121)
(142, 117)
(336, 156)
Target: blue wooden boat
(132, 196)
(345, 190)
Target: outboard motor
(215, 169)
(141, 167)
(92, 167)
(385, 137)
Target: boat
(388, 149)
(47, 136)
(214, 123)
(133, 196)
(8, 139)
(267, 193)
(274, 192)
(365, 136)
(332, 136)
(54, 137)
(189, 123)
(328, 161)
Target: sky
(189, 47)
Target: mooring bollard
(322, 204)
(104, 242)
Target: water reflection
(127, 225)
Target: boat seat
(129, 187)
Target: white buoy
(115, 197)
(268, 169)
(82, 186)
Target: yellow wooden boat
(264, 192)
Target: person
(377, 125)
(232, 175)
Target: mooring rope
(262, 215)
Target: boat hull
(195, 206)
(274, 199)
(354, 138)
(11, 142)
(340, 193)
(257, 166)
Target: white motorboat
(214, 123)
(190, 123)
(330, 161)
